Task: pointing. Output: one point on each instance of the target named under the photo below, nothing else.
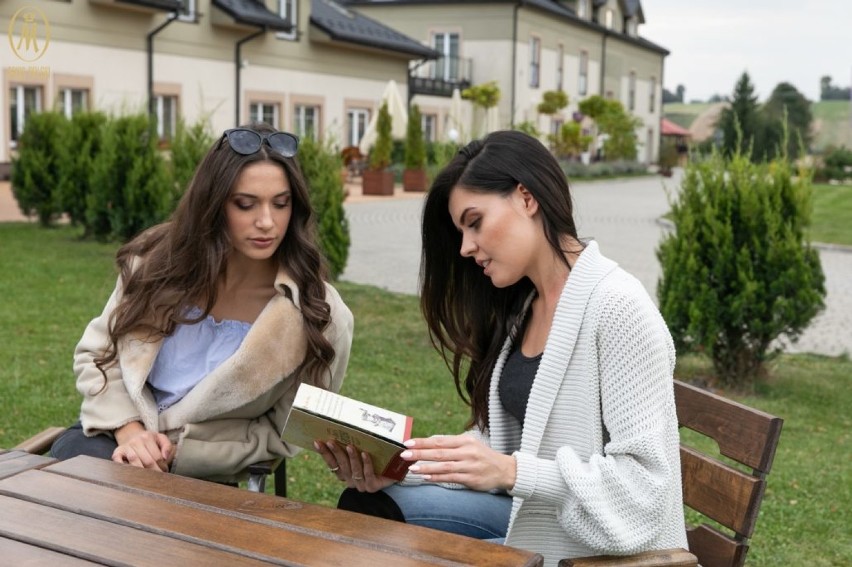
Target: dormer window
(630, 26)
(609, 17)
(583, 9)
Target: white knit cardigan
(598, 466)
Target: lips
(262, 242)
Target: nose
(264, 218)
(468, 247)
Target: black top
(517, 379)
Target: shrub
(570, 140)
(415, 150)
(738, 272)
(85, 133)
(618, 125)
(37, 169)
(130, 187)
(837, 165)
(552, 102)
(188, 148)
(485, 95)
(321, 166)
(380, 155)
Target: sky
(713, 41)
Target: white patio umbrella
(455, 121)
(398, 113)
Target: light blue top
(190, 354)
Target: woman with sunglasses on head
(217, 317)
(564, 359)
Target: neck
(549, 280)
(242, 273)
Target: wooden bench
(720, 491)
(726, 493)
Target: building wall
(104, 49)
(486, 31)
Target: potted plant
(377, 179)
(414, 175)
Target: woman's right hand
(351, 467)
(142, 448)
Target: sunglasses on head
(246, 142)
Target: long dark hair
(183, 258)
(467, 316)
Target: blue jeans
(480, 515)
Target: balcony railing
(440, 76)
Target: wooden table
(88, 511)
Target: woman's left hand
(352, 467)
(462, 459)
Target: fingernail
(408, 443)
(406, 454)
(316, 445)
(350, 450)
(414, 468)
(330, 445)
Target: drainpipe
(238, 61)
(603, 63)
(660, 106)
(149, 42)
(514, 60)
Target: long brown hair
(176, 265)
(468, 317)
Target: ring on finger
(357, 477)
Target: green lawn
(52, 285)
(832, 214)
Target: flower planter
(377, 182)
(414, 180)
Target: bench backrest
(715, 489)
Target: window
(72, 101)
(556, 126)
(187, 11)
(583, 86)
(560, 56)
(609, 16)
(166, 107)
(306, 121)
(23, 101)
(357, 125)
(447, 66)
(427, 124)
(631, 91)
(264, 112)
(288, 10)
(652, 100)
(630, 26)
(535, 59)
(583, 8)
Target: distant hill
(832, 124)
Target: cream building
(302, 65)
(582, 47)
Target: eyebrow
(464, 215)
(252, 196)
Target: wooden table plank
(205, 525)
(102, 541)
(13, 462)
(22, 554)
(391, 537)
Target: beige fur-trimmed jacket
(235, 415)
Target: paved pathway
(622, 215)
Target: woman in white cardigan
(566, 364)
(217, 316)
